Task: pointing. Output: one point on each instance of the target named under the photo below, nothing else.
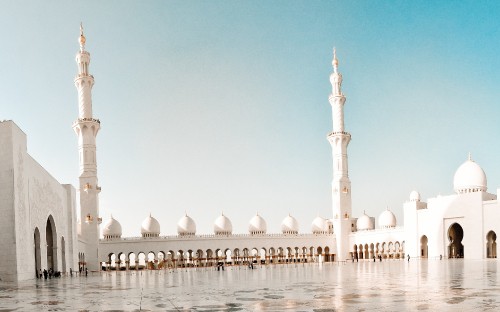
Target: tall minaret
(341, 185)
(86, 127)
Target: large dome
(186, 226)
(112, 229)
(150, 227)
(387, 219)
(364, 223)
(469, 177)
(257, 225)
(223, 226)
(290, 225)
(319, 225)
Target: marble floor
(398, 285)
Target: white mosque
(41, 229)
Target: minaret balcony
(338, 133)
(79, 120)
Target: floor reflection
(392, 285)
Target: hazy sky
(210, 106)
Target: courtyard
(393, 285)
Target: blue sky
(210, 106)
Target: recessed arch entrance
(38, 259)
(455, 237)
(51, 236)
(491, 245)
(424, 249)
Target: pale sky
(211, 106)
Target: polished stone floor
(398, 285)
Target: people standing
(408, 258)
(45, 273)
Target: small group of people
(48, 274)
(220, 265)
(379, 257)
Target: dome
(223, 226)
(364, 223)
(186, 226)
(469, 177)
(290, 225)
(257, 225)
(415, 196)
(319, 226)
(150, 227)
(112, 229)
(387, 219)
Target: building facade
(40, 228)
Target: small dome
(150, 227)
(112, 229)
(290, 225)
(223, 226)
(186, 226)
(387, 219)
(414, 196)
(257, 225)
(319, 226)
(364, 223)
(469, 177)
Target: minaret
(341, 185)
(86, 127)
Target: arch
(141, 260)
(455, 237)
(372, 251)
(51, 237)
(423, 246)
(228, 254)
(122, 261)
(38, 258)
(491, 244)
(112, 261)
(263, 256)
(236, 256)
(397, 249)
(131, 260)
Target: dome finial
(469, 157)
(81, 39)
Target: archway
(51, 236)
(423, 246)
(455, 236)
(491, 245)
(38, 259)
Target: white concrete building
(39, 228)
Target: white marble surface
(424, 285)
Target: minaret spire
(86, 128)
(335, 61)
(341, 185)
(81, 39)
